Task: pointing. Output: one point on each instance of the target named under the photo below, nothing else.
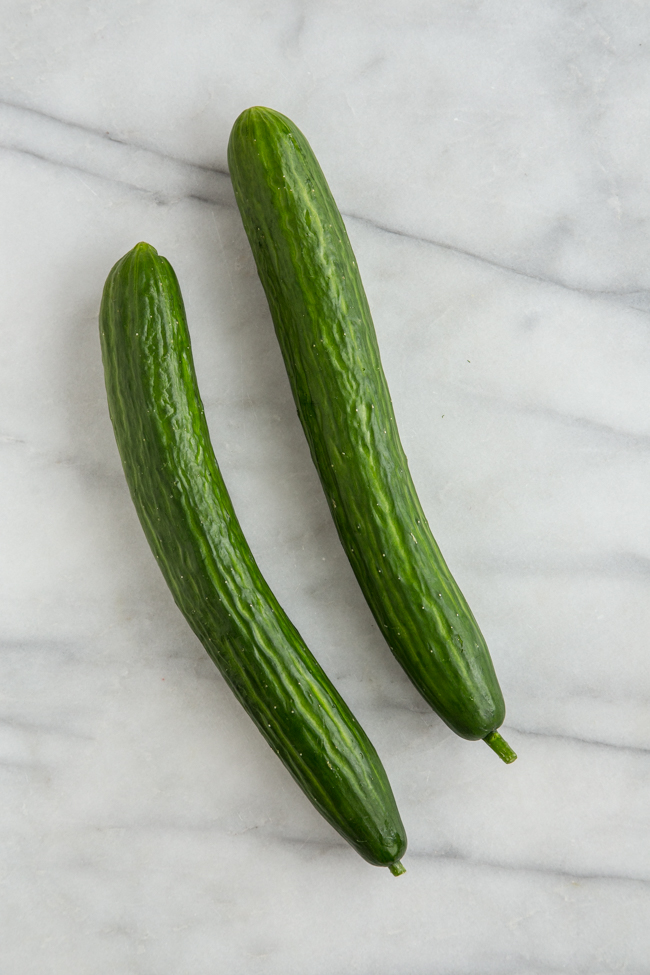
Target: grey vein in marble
(170, 178)
(96, 153)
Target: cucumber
(328, 341)
(190, 524)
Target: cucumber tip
(501, 747)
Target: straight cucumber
(190, 524)
(323, 323)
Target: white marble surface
(491, 161)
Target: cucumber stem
(500, 746)
(396, 868)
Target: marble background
(490, 159)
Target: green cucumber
(190, 524)
(328, 341)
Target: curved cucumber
(190, 524)
(328, 341)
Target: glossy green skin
(190, 524)
(328, 341)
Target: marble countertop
(490, 160)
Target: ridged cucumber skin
(191, 526)
(326, 333)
